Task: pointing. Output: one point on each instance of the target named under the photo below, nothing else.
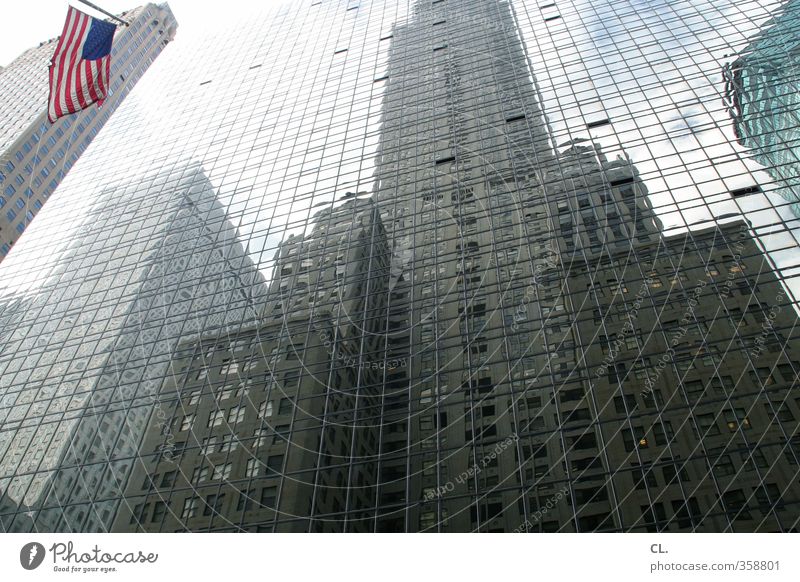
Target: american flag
(80, 67)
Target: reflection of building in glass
(764, 102)
(274, 427)
(525, 265)
(531, 300)
(497, 337)
(36, 154)
(144, 272)
(688, 392)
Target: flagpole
(104, 12)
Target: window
(427, 520)
(189, 508)
(281, 434)
(616, 373)
(236, 414)
(177, 449)
(209, 444)
(252, 468)
(663, 433)
(633, 439)
(274, 464)
(643, 477)
(215, 418)
(168, 480)
(290, 379)
(724, 466)
(783, 414)
(214, 503)
(222, 472)
(736, 504)
(228, 443)
(245, 502)
(653, 399)
(694, 389)
(139, 511)
(265, 409)
(268, 496)
(260, 437)
(286, 406)
(756, 459)
(707, 424)
(767, 496)
(159, 510)
(187, 422)
(228, 367)
(686, 512)
(737, 418)
(787, 372)
(583, 442)
(671, 471)
(200, 474)
(619, 403)
(763, 377)
(243, 390)
(148, 482)
(249, 365)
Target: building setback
(35, 154)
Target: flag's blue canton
(98, 42)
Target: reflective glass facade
(764, 101)
(36, 154)
(440, 265)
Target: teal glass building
(762, 93)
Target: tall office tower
(527, 260)
(531, 299)
(274, 428)
(498, 321)
(159, 270)
(763, 100)
(36, 154)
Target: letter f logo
(31, 555)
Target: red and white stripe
(75, 83)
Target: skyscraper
(35, 154)
(529, 258)
(161, 270)
(279, 405)
(763, 102)
(475, 319)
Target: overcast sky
(29, 22)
